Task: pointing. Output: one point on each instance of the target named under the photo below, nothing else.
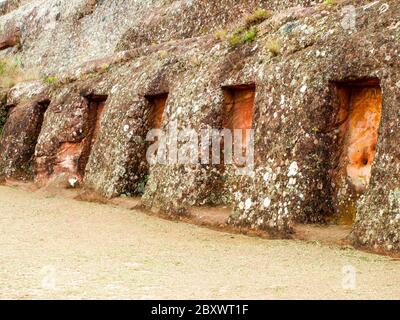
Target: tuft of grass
(315, 130)
(221, 35)
(329, 2)
(250, 35)
(50, 80)
(12, 72)
(242, 35)
(257, 17)
(247, 31)
(234, 40)
(274, 47)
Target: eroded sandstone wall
(56, 36)
(295, 61)
(19, 138)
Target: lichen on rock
(294, 63)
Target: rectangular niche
(238, 110)
(157, 106)
(141, 166)
(359, 116)
(96, 104)
(37, 122)
(42, 107)
(156, 112)
(35, 126)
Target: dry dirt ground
(53, 247)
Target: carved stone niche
(72, 157)
(238, 115)
(359, 116)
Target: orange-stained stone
(72, 157)
(67, 159)
(239, 108)
(239, 104)
(158, 103)
(359, 116)
(364, 120)
(360, 133)
(242, 115)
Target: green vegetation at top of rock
(329, 2)
(242, 35)
(247, 31)
(50, 80)
(257, 17)
(250, 34)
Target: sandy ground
(55, 248)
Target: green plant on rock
(50, 80)
(329, 2)
(315, 130)
(250, 35)
(234, 40)
(257, 17)
(242, 35)
(247, 31)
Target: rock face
(318, 83)
(10, 38)
(20, 136)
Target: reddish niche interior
(361, 107)
(157, 103)
(239, 105)
(156, 113)
(359, 117)
(72, 157)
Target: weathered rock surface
(10, 38)
(295, 60)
